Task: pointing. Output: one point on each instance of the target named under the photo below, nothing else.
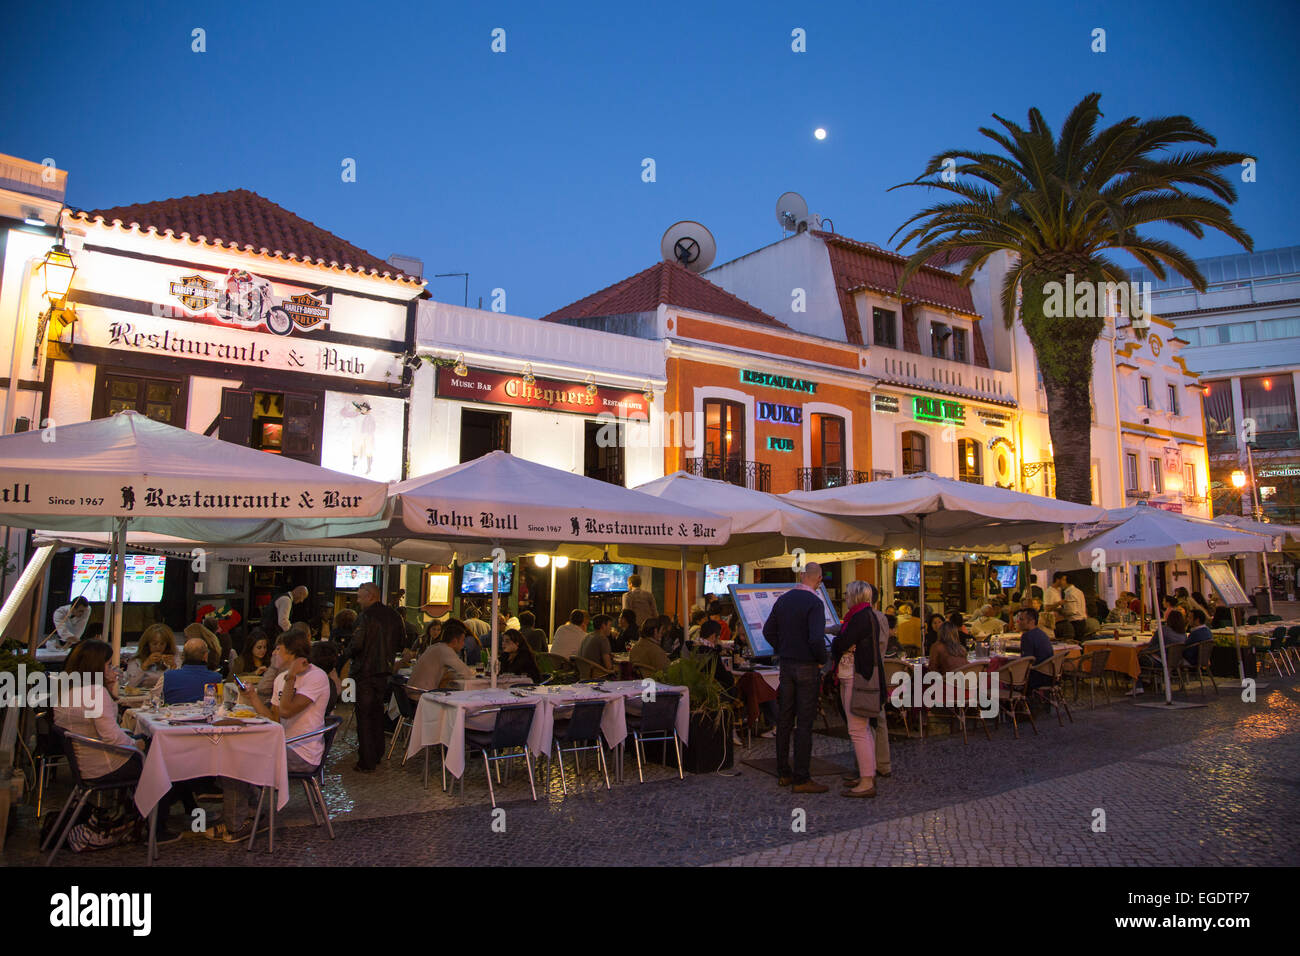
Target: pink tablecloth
(254, 753)
(632, 691)
(442, 719)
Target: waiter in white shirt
(70, 623)
(1068, 603)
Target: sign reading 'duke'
(502, 388)
(781, 414)
(147, 335)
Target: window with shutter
(303, 422)
(235, 423)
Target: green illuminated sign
(780, 444)
(938, 410)
(778, 381)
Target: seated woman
(156, 656)
(932, 626)
(92, 712)
(948, 652)
(257, 654)
(627, 634)
(517, 657)
(441, 663)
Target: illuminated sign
(780, 444)
(994, 419)
(1281, 471)
(885, 403)
(503, 388)
(938, 410)
(781, 414)
(778, 381)
(248, 301)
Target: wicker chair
(1199, 664)
(890, 669)
(1089, 668)
(960, 711)
(1013, 691)
(1174, 657)
(559, 669)
(590, 670)
(1054, 668)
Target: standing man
(275, 616)
(70, 623)
(639, 602)
(376, 640)
(1071, 611)
(796, 629)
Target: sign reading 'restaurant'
(81, 494)
(501, 388)
(749, 377)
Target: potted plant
(709, 748)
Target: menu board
(1225, 582)
(753, 602)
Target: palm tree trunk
(1063, 330)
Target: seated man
(1034, 643)
(441, 662)
(1199, 634)
(596, 647)
(1174, 631)
(568, 637)
(987, 623)
(301, 694)
(647, 651)
(185, 684)
(706, 645)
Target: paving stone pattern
(1217, 785)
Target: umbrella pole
(496, 617)
(1027, 591)
(1160, 631)
(1236, 643)
(920, 561)
(107, 633)
(682, 575)
(120, 577)
(550, 621)
(383, 574)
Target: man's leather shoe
(784, 781)
(360, 769)
(810, 786)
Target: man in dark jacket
(796, 629)
(377, 639)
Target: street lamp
(58, 270)
(1238, 479)
(559, 561)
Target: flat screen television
(907, 574)
(1008, 575)
(349, 577)
(476, 578)
(143, 580)
(610, 578)
(717, 579)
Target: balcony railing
(754, 475)
(815, 479)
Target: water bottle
(209, 699)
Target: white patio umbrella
(924, 509)
(130, 472)
(762, 526)
(1152, 534)
(508, 504)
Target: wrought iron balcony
(754, 475)
(815, 479)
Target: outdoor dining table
(442, 716)
(635, 691)
(1123, 653)
(252, 751)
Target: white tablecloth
(631, 690)
(613, 722)
(485, 683)
(442, 719)
(254, 753)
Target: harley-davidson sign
(249, 302)
(500, 388)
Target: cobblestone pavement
(1217, 785)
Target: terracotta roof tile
(859, 265)
(241, 219)
(664, 283)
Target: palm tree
(1058, 206)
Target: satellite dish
(791, 210)
(689, 244)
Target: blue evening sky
(524, 168)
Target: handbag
(865, 700)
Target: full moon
(819, 133)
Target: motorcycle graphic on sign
(248, 301)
